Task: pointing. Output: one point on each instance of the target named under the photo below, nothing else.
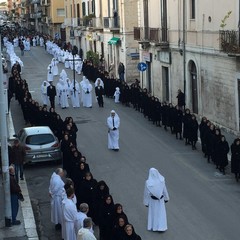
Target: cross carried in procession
(74, 52)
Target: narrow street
(204, 205)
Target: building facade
(182, 43)
(106, 28)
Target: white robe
(50, 73)
(157, 218)
(69, 210)
(41, 42)
(34, 41)
(63, 96)
(54, 63)
(55, 189)
(113, 135)
(85, 234)
(86, 93)
(116, 96)
(75, 96)
(79, 221)
(44, 93)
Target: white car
(40, 144)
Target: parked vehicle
(40, 144)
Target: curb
(27, 212)
(26, 206)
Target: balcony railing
(155, 35)
(111, 22)
(229, 41)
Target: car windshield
(40, 139)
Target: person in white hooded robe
(50, 73)
(63, 74)
(75, 93)
(55, 192)
(117, 95)
(64, 94)
(69, 211)
(44, 86)
(155, 197)
(54, 64)
(113, 122)
(86, 95)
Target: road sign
(57, 35)
(142, 66)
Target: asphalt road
(204, 205)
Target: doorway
(165, 84)
(194, 86)
(149, 76)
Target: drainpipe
(184, 50)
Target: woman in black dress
(130, 233)
(106, 218)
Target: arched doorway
(194, 86)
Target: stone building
(106, 28)
(194, 46)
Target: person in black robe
(118, 230)
(171, 112)
(222, 149)
(118, 211)
(58, 127)
(130, 233)
(52, 118)
(165, 115)
(88, 187)
(216, 139)
(235, 159)
(45, 117)
(84, 160)
(106, 218)
(66, 153)
(186, 126)
(202, 130)
(210, 141)
(158, 112)
(99, 91)
(101, 191)
(177, 122)
(193, 137)
(51, 92)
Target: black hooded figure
(106, 218)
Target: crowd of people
(75, 194)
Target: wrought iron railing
(229, 41)
(156, 35)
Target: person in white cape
(44, 86)
(54, 64)
(55, 192)
(113, 122)
(117, 95)
(69, 211)
(85, 232)
(75, 94)
(155, 197)
(86, 95)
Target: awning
(114, 40)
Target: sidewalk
(27, 229)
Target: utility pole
(184, 51)
(4, 150)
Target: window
(71, 10)
(40, 139)
(84, 9)
(66, 14)
(192, 9)
(60, 12)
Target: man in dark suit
(51, 92)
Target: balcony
(112, 23)
(156, 36)
(230, 42)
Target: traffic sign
(142, 66)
